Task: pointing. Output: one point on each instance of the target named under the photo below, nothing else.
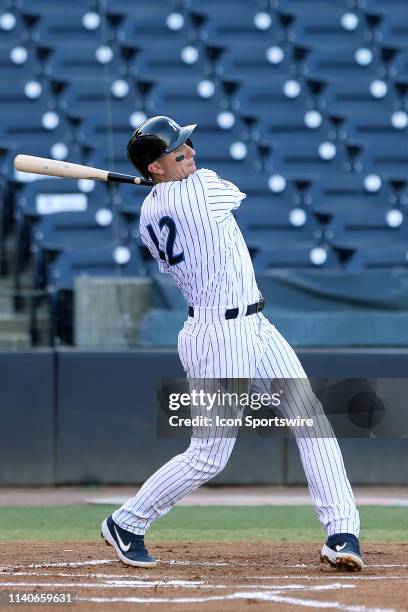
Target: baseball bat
(64, 169)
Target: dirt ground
(201, 577)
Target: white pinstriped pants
(246, 348)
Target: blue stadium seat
(165, 61)
(392, 24)
(248, 21)
(219, 148)
(89, 62)
(18, 62)
(256, 60)
(341, 63)
(352, 95)
(389, 158)
(92, 262)
(154, 22)
(23, 97)
(13, 30)
(391, 256)
(303, 159)
(52, 30)
(292, 255)
(374, 128)
(346, 194)
(97, 97)
(72, 230)
(127, 6)
(327, 26)
(179, 96)
(288, 125)
(258, 101)
(63, 6)
(267, 223)
(399, 66)
(354, 236)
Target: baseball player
(187, 223)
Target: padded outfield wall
(76, 417)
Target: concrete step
(19, 323)
(6, 304)
(14, 341)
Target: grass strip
(199, 523)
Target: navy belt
(232, 313)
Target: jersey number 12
(168, 256)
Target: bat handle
(117, 177)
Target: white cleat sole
(346, 561)
(110, 541)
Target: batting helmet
(155, 138)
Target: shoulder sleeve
(222, 196)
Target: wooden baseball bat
(64, 169)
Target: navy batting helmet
(155, 138)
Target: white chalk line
(186, 584)
(269, 596)
(152, 582)
(6, 569)
(328, 577)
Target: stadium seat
(376, 128)
(18, 62)
(356, 257)
(287, 125)
(127, 6)
(389, 158)
(261, 102)
(154, 22)
(399, 66)
(172, 98)
(269, 224)
(326, 26)
(303, 159)
(341, 63)
(347, 194)
(248, 22)
(392, 24)
(294, 255)
(85, 62)
(73, 230)
(255, 59)
(23, 97)
(165, 61)
(63, 6)
(109, 98)
(358, 94)
(78, 24)
(13, 30)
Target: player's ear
(155, 168)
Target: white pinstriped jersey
(190, 230)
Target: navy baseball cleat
(342, 550)
(129, 547)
